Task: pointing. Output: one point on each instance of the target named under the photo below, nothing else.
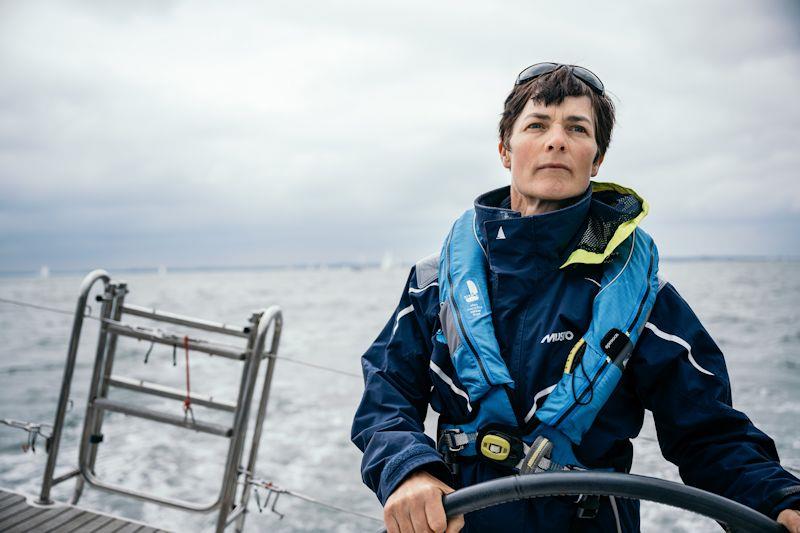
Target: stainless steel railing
(259, 345)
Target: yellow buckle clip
(495, 447)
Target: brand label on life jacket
(473, 299)
(473, 292)
(613, 342)
(557, 336)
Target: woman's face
(551, 149)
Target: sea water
(751, 308)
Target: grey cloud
(354, 127)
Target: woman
(541, 254)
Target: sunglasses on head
(540, 69)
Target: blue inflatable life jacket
(619, 312)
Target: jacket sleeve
(681, 377)
(388, 424)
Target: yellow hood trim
(623, 231)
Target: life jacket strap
(492, 444)
(455, 440)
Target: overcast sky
(229, 133)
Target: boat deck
(18, 515)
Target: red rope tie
(187, 402)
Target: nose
(557, 140)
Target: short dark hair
(550, 89)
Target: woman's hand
(416, 507)
(790, 519)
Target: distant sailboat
(44, 272)
(162, 270)
(387, 262)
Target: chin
(553, 190)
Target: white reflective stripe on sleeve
(593, 281)
(536, 398)
(678, 340)
(412, 290)
(400, 314)
(444, 377)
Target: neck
(527, 205)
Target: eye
(579, 128)
(535, 125)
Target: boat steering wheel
(733, 516)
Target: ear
(596, 165)
(505, 155)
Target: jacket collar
(541, 242)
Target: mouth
(554, 165)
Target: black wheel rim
(735, 516)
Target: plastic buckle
(496, 447)
(451, 439)
(449, 446)
(500, 447)
(537, 458)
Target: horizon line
(45, 271)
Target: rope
(187, 402)
(320, 367)
(33, 429)
(275, 490)
(282, 358)
(42, 307)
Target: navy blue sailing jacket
(539, 311)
